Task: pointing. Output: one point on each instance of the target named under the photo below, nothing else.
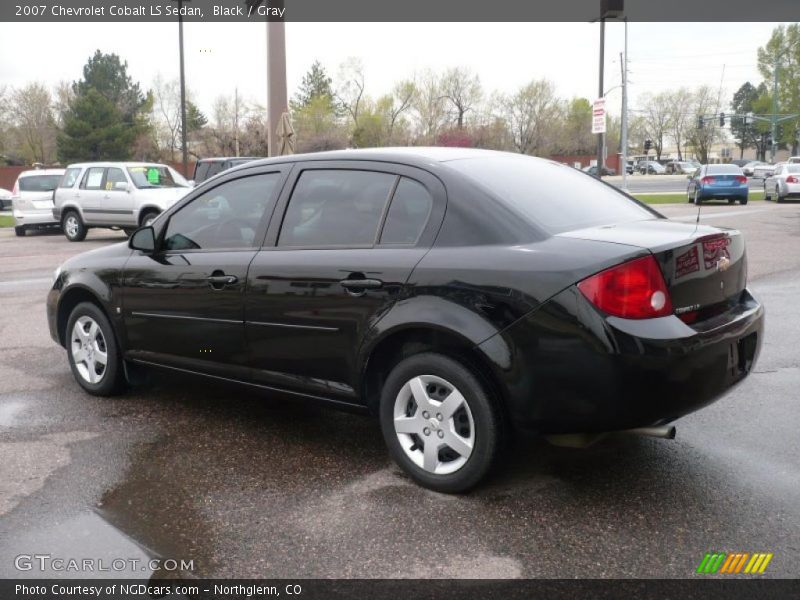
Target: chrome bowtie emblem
(723, 264)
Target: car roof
(116, 164)
(420, 155)
(33, 172)
(224, 158)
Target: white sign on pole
(599, 116)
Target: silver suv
(119, 195)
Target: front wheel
(73, 227)
(439, 423)
(92, 351)
(149, 217)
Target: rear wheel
(92, 351)
(19, 231)
(778, 197)
(697, 199)
(73, 227)
(439, 423)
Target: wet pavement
(245, 485)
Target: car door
(90, 194)
(350, 235)
(117, 203)
(183, 304)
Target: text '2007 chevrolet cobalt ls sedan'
(460, 295)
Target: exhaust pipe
(666, 432)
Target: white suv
(119, 195)
(32, 199)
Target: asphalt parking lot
(245, 486)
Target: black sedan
(462, 296)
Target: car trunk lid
(705, 268)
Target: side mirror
(121, 186)
(143, 239)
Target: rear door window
(408, 213)
(336, 207)
(69, 178)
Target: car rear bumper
(36, 217)
(605, 374)
(724, 192)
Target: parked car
(629, 167)
(592, 170)
(460, 295)
(739, 162)
(748, 169)
(783, 183)
(680, 167)
(764, 170)
(206, 168)
(116, 195)
(794, 159)
(5, 198)
(32, 199)
(716, 182)
(651, 167)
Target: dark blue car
(718, 182)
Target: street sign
(599, 116)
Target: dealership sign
(599, 116)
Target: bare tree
(32, 116)
(63, 95)
(530, 113)
(657, 112)
(462, 88)
(402, 98)
(350, 93)
(166, 117)
(680, 117)
(705, 101)
(429, 106)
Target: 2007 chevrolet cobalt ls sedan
(460, 295)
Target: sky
(221, 57)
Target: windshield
(156, 176)
(556, 197)
(39, 183)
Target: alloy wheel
(434, 424)
(89, 350)
(71, 226)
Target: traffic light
(647, 145)
(722, 119)
(700, 122)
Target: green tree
(782, 52)
(195, 119)
(107, 114)
(315, 84)
(743, 102)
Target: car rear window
(793, 168)
(39, 183)
(724, 170)
(556, 197)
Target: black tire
(731, 200)
(148, 215)
(689, 198)
(485, 416)
(778, 197)
(19, 231)
(697, 200)
(76, 233)
(742, 202)
(112, 378)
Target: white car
(119, 195)
(794, 159)
(764, 170)
(5, 198)
(32, 199)
(783, 183)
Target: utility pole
(236, 121)
(184, 147)
(601, 136)
(624, 133)
(277, 101)
(774, 119)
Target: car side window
(778, 170)
(69, 178)
(408, 213)
(113, 177)
(336, 208)
(93, 179)
(224, 217)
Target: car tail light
(632, 290)
(741, 179)
(707, 180)
(792, 179)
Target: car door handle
(361, 284)
(220, 281)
